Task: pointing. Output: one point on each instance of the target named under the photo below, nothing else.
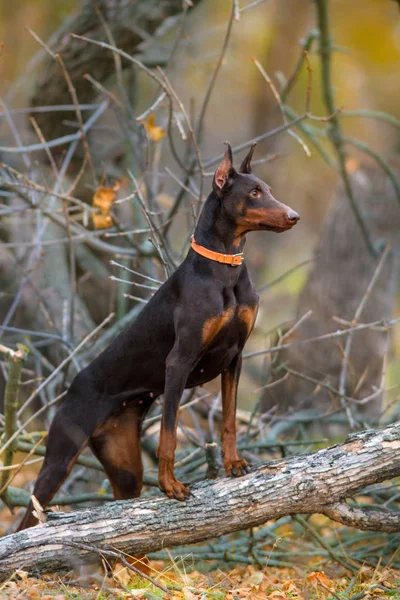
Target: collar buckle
(237, 259)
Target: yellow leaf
(155, 132)
(103, 199)
(101, 221)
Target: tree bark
(130, 22)
(314, 483)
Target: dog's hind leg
(117, 446)
(81, 412)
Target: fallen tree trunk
(305, 484)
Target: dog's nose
(293, 216)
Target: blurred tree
(335, 288)
(291, 22)
(130, 23)
(53, 275)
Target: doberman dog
(193, 329)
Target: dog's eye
(255, 193)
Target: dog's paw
(236, 468)
(175, 489)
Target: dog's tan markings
(238, 237)
(167, 481)
(213, 325)
(240, 207)
(272, 217)
(121, 449)
(117, 442)
(248, 314)
(234, 465)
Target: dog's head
(247, 200)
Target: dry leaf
(155, 132)
(256, 579)
(316, 577)
(277, 595)
(122, 574)
(102, 221)
(38, 511)
(188, 595)
(290, 587)
(138, 593)
(103, 200)
(365, 573)
(22, 574)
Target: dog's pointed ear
(245, 167)
(225, 170)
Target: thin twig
(189, 126)
(65, 139)
(349, 341)
(18, 467)
(85, 340)
(281, 107)
(15, 364)
(382, 323)
(207, 97)
(269, 285)
(74, 97)
(334, 131)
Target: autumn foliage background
(366, 76)
(365, 71)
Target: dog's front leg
(234, 465)
(178, 367)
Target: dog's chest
(232, 325)
(229, 329)
(224, 336)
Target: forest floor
(310, 571)
(190, 579)
(249, 582)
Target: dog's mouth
(274, 228)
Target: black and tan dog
(193, 329)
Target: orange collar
(235, 260)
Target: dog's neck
(215, 230)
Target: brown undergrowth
(249, 582)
